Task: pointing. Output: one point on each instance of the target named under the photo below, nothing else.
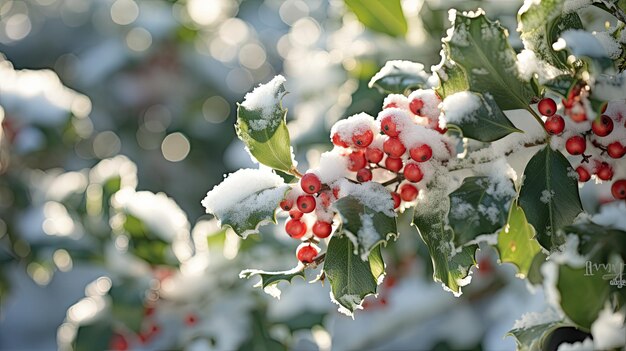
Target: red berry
(336, 193)
(441, 130)
(583, 174)
(408, 192)
(310, 183)
(286, 204)
(306, 203)
(416, 105)
(374, 155)
(363, 139)
(577, 115)
(576, 145)
(388, 126)
(616, 150)
(396, 199)
(393, 164)
(421, 153)
(602, 126)
(390, 105)
(555, 124)
(306, 254)
(413, 173)
(118, 343)
(295, 228)
(364, 175)
(356, 160)
(604, 171)
(191, 319)
(294, 213)
(618, 189)
(338, 141)
(322, 229)
(394, 147)
(325, 198)
(547, 107)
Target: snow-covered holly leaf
(477, 115)
(540, 25)
(478, 206)
(534, 337)
(246, 199)
(351, 279)
(599, 241)
(561, 84)
(516, 242)
(452, 79)
(365, 227)
(384, 17)
(398, 77)
(145, 244)
(582, 295)
(549, 195)
(261, 125)
(451, 268)
(269, 280)
(481, 48)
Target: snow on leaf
(270, 280)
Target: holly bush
(490, 147)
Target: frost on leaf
(396, 77)
(246, 199)
(366, 227)
(269, 280)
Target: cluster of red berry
(399, 151)
(599, 143)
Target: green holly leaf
(351, 279)
(399, 77)
(549, 195)
(127, 298)
(248, 222)
(269, 280)
(261, 125)
(582, 295)
(477, 208)
(383, 17)
(478, 116)
(541, 24)
(93, 336)
(145, 244)
(516, 242)
(452, 79)
(534, 338)
(365, 227)
(561, 84)
(480, 47)
(260, 338)
(450, 268)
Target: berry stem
(397, 179)
(295, 172)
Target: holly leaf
(541, 23)
(365, 227)
(383, 17)
(561, 84)
(260, 338)
(261, 125)
(93, 336)
(484, 122)
(399, 77)
(452, 79)
(549, 195)
(269, 280)
(534, 338)
(480, 47)
(351, 279)
(477, 208)
(450, 268)
(146, 244)
(582, 295)
(127, 300)
(598, 242)
(516, 243)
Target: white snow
(609, 331)
(461, 107)
(118, 166)
(581, 43)
(399, 100)
(431, 102)
(367, 235)
(332, 166)
(570, 6)
(370, 194)
(546, 196)
(264, 97)
(532, 319)
(585, 345)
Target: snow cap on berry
(431, 102)
(354, 124)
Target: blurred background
(117, 118)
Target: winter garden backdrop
(443, 174)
